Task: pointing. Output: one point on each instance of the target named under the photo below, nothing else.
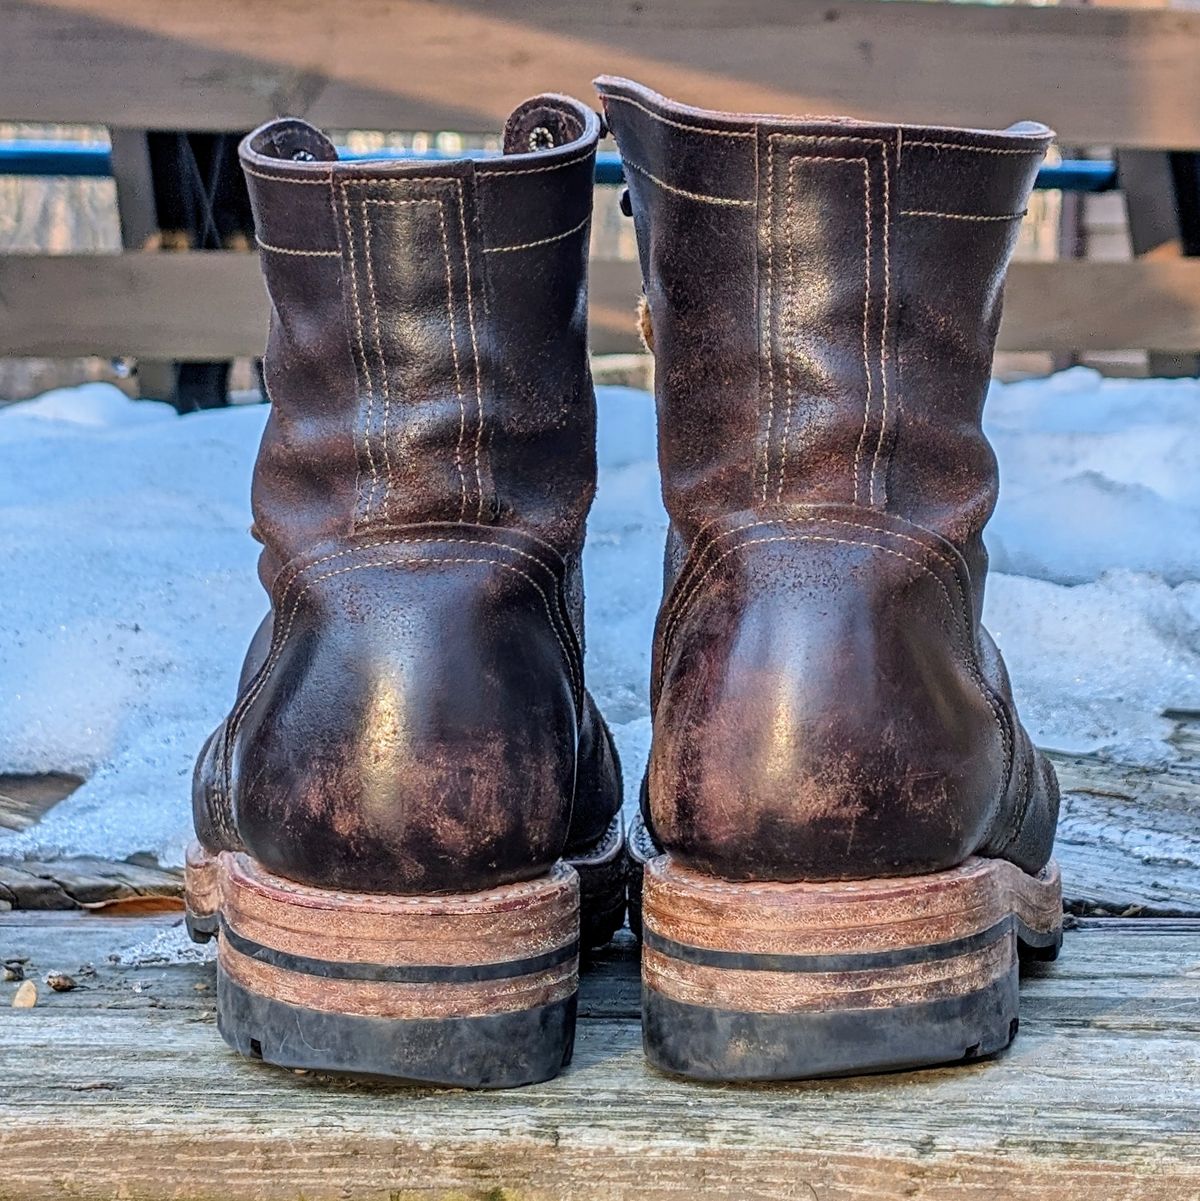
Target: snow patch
(130, 594)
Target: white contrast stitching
(383, 368)
(972, 667)
(540, 242)
(821, 139)
(363, 422)
(259, 682)
(316, 254)
(704, 198)
(975, 149)
(462, 224)
(792, 162)
(712, 133)
(884, 326)
(536, 170)
(766, 456)
(963, 216)
(306, 179)
(867, 406)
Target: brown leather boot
(857, 829)
(398, 817)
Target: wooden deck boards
(123, 1088)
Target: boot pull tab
(540, 124)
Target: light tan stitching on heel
(363, 423)
(885, 326)
(462, 225)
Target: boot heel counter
(414, 727)
(821, 713)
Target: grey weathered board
(123, 1088)
(1123, 77)
(211, 304)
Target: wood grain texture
(115, 1092)
(1111, 76)
(212, 305)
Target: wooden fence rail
(1111, 76)
(211, 305)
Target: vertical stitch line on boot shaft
(462, 225)
(462, 409)
(770, 315)
(885, 324)
(819, 140)
(383, 368)
(789, 329)
(363, 421)
(333, 212)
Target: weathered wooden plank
(82, 881)
(1102, 306)
(1128, 838)
(1112, 76)
(123, 1088)
(211, 305)
(25, 799)
(199, 306)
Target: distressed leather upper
(824, 296)
(412, 715)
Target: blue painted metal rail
(81, 159)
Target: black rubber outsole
(495, 1051)
(703, 1043)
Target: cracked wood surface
(123, 1087)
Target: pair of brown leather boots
(409, 825)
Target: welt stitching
(485, 174)
(703, 197)
(251, 695)
(963, 216)
(712, 133)
(968, 660)
(884, 325)
(316, 254)
(362, 423)
(462, 225)
(540, 242)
